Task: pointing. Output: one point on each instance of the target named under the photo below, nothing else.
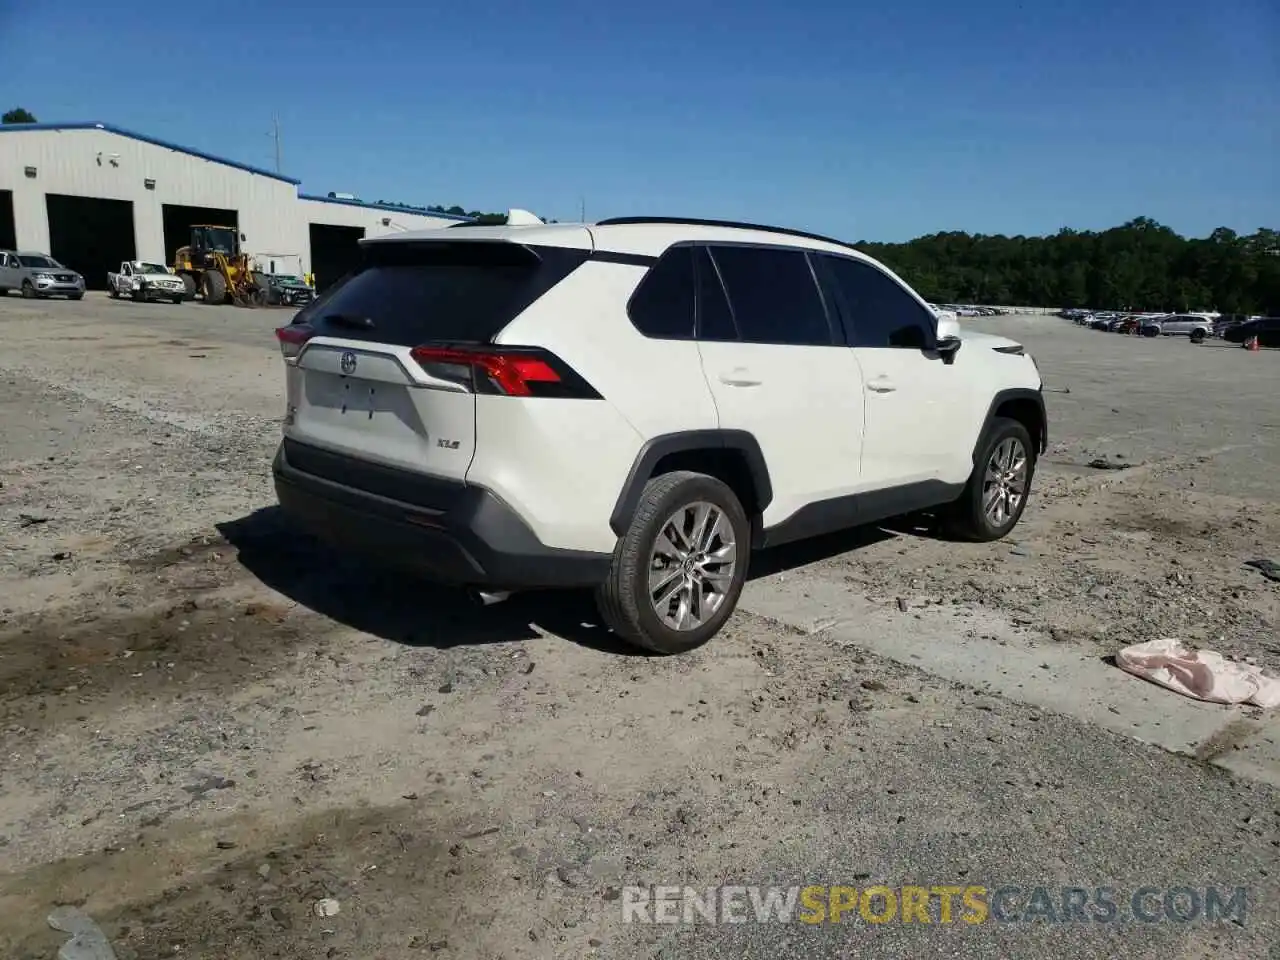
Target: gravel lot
(209, 723)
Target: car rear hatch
(386, 365)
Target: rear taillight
(505, 371)
(292, 338)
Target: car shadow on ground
(408, 610)
(789, 557)
(399, 607)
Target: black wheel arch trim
(1003, 397)
(689, 441)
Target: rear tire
(215, 288)
(653, 558)
(1005, 465)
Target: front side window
(878, 312)
(773, 294)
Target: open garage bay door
(90, 235)
(179, 220)
(8, 231)
(335, 251)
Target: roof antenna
(522, 218)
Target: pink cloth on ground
(1201, 674)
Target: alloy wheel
(692, 565)
(1005, 484)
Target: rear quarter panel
(559, 463)
(584, 449)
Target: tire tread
(615, 598)
(963, 521)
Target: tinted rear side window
(773, 295)
(715, 319)
(662, 304)
(460, 292)
(878, 312)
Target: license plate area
(352, 398)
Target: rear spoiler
(397, 250)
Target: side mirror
(948, 326)
(243, 238)
(948, 347)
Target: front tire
(679, 569)
(997, 491)
(189, 286)
(215, 287)
(28, 290)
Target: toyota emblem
(348, 362)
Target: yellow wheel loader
(214, 266)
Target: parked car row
(971, 311)
(38, 275)
(1199, 327)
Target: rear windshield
(462, 292)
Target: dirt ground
(209, 723)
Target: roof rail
(695, 222)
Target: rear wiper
(348, 320)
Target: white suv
(636, 405)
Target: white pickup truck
(143, 280)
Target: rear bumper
(445, 530)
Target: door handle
(738, 378)
(881, 385)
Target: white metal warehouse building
(92, 195)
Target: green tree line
(1141, 265)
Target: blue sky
(877, 122)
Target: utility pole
(582, 209)
(275, 124)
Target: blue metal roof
(95, 125)
(391, 207)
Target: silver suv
(1197, 328)
(38, 275)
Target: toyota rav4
(637, 405)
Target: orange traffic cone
(1252, 344)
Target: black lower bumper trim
(468, 537)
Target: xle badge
(447, 444)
